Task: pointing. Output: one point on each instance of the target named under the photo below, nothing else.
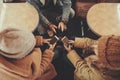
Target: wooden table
(104, 18)
(22, 15)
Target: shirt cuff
(39, 40)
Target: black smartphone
(54, 39)
(65, 40)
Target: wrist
(64, 21)
(49, 24)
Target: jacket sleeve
(38, 5)
(82, 70)
(84, 42)
(46, 59)
(43, 19)
(66, 10)
(39, 40)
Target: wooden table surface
(104, 18)
(22, 15)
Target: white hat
(16, 43)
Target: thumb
(59, 26)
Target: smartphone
(65, 40)
(54, 39)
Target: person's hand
(46, 41)
(71, 42)
(62, 26)
(52, 46)
(68, 48)
(53, 27)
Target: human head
(82, 7)
(16, 43)
(109, 52)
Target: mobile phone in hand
(54, 40)
(65, 41)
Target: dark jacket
(64, 4)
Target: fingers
(62, 26)
(53, 27)
(50, 33)
(65, 28)
(52, 46)
(71, 41)
(59, 26)
(46, 41)
(68, 48)
(65, 46)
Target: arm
(40, 41)
(39, 61)
(65, 14)
(43, 19)
(28, 68)
(82, 70)
(66, 10)
(38, 5)
(46, 59)
(84, 42)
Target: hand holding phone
(65, 41)
(54, 40)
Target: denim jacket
(65, 5)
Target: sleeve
(84, 42)
(46, 59)
(39, 61)
(66, 10)
(39, 40)
(37, 5)
(43, 19)
(82, 70)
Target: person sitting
(53, 13)
(20, 59)
(104, 64)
